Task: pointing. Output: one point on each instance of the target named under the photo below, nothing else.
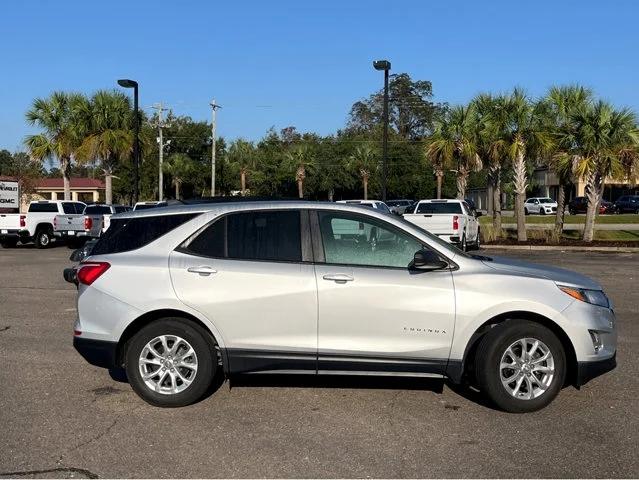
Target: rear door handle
(202, 271)
(338, 277)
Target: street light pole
(384, 65)
(214, 107)
(126, 83)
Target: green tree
(562, 103)
(110, 136)
(412, 113)
(62, 116)
(242, 160)
(605, 144)
(454, 145)
(364, 162)
(181, 168)
(299, 159)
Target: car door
(375, 314)
(250, 275)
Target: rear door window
(43, 208)
(267, 235)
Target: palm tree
(61, 117)
(525, 139)
(110, 136)
(300, 159)
(563, 102)
(454, 145)
(180, 167)
(491, 147)
(606, 144)
(242, 157)
(365, 163)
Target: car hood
(558, 275)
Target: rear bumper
(9, 234)
(71, 233)
(97, 352)
(586, 371)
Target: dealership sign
(9, 195)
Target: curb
(570, 248)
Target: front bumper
(97, 352)
(586, 371)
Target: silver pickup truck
(77, 228)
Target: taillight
(455, 222)
(55, 223)
(23, 223)
(90, 272)
(88, 223)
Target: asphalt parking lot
(61, 417)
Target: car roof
(443, 200)
(231, 206)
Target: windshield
(97, 210)
(437, 207)
(546, 200)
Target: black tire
(542, 211)
(571, 211)
(201, 342)
(43, 237)
(478, 240)
(9, 243)
(464, 244)
(489, 355)
(525, 211)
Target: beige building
(87, 190)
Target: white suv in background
(182, 294)
(540, 205)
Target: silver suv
(180, 295)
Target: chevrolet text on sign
(9, 195)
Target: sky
(304, 63)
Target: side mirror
(77, 255)
(427, 260)
(478, 214)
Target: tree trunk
(65, 166)
(561, 210)
(300, 188)
(495, 182)
(520, 184)
(177, 190)
(331, 193)
(243, 182)
(108, 187)
(462, 182)
(594, 192)
(440, 177)
(365, 182)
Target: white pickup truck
(451, 220)
(37, 224)
(106, 211)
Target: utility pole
(160, 109)
(214, 107)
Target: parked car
(451, 220)
(37, 224)
(580, 205)
(181, 295)
(147, 205)
(540, 205)
(399, 206)
(375, 204)
(76, 228)
(627, 204)
(106, 211)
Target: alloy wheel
(527, 368)
(168, 364)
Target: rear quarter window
(43, 208)
(128, 234)
(435, 208)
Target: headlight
(595, 297)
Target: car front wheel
(521, 366)
(171, 362)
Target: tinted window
(546, 200)
(382, 207)
(130, 233)
(268, 235)
(120, 209)
(357, 240)
(434, 208)
(43, 207)
(97, 210)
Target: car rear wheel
(464, 244)
(43, 238)
(525, 211)
(521, 366)
(171, 362)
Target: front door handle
(202, 271)
(338, 277)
